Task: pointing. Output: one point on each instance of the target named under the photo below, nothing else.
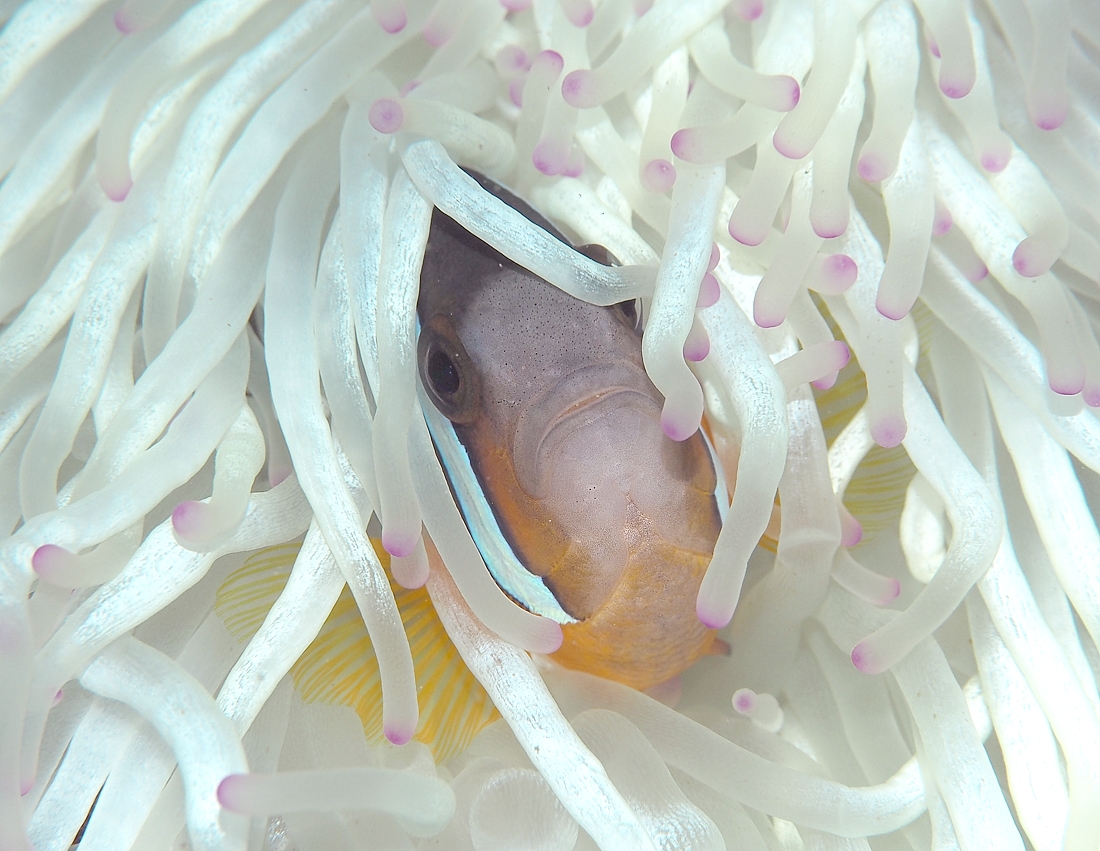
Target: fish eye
(443, 374)
(446, 371)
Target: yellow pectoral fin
(249, 592)
(340, 667)
(876, 494)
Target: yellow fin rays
(340, 667)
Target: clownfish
(548, 429)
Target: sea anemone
(212, 218)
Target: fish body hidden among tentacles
(550, 432)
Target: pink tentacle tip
(942, 223)
(386, 116)
(978, 273)
(873, 167)
(889, 431)
(681, 143)
(579, 89)
(229, 791)
(548, 158)
(277, 476)
(893, 591)
(392, 21)
(552, 61)
(787, 93)
(552, 641)
(764, 318)
(1070, 383)
(709, 291)
(675, 425)
(407, 88)
(697, 350)
(515, 89)
(124, 23)
(25, 787)
(1051, 114)
(516, 5)
(715, 257)
(851, 531)
(399, 735)
(117, 192)
(831, 227)
(796, 92)
(511, 60)
(580, 12)
(1091, 395)
(891, 310)
(842, 271)
(642, 6)
(189, 518)
(1027, 259)
(399, 544)
(436, 34)
(658, 176)
(57, 698)
(995, 160)
(744, 700)
(865, 659)
(710, 615)
(933, 47)
(742, 233)
(785, 147)
(48, 557)
(749, 10)
(827, 382)
(955, 89)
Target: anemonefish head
(557, 420)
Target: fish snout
(613, 485)
(575, 402)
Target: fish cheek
(690, 464)
(534, 536)
(578, 583)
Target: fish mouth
(575, 401)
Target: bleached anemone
(211, 224)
